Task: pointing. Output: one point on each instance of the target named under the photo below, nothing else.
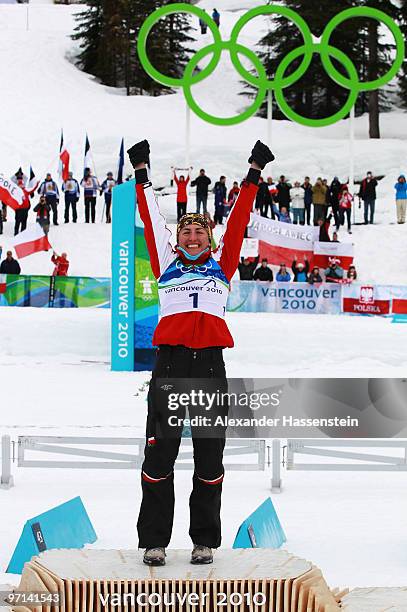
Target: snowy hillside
(42, 91)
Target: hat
(194, 219)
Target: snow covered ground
(54, 364)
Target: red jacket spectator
(182, 188)
(61, 264)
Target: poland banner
(282, 242)
(32, 240)
(3, 283)
(10, 194)
(326, 253)
(366, 299)
(399, 301)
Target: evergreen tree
(403, 72)
(107, 31)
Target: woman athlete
(190, 337)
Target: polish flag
(3, 283)
(32, 240)
(326, 252)
(64, 157)
(11, 194)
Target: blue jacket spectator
(401, 188)
(283, 275)
(300, 271)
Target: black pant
(348, 212)
(70, 201)
(90, 206)
(52, 201)
(336, 213)
(307, 206)
(157, 508)
(201, 198)
(319, 212)
(108, 203)
(219, 211)
(1, 223)
(21, 220)
(181, 209)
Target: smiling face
(193, 238)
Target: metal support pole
(187, 140)
(269, 116)
(6, 479)
(352, 156)
(276, 467)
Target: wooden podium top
(229, 564)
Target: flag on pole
(32, 182)
(3, 283)
(64, 157)
(32, 240)
(120, 165)
(87, 162)
(11, 194)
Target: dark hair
(264, 259)
(202, 170)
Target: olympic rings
(280, 81)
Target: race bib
(184, 288)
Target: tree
(107, 31)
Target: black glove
(261, 155)
(140, 152)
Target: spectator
(297, 203)
(335, 237)
(61, 264)
(70, 187)
(90, 186)
(324, 229)
(263, 198)
(334, 274)
(182, 196)
(352, 275)
(334, 193)
(247, 268)
(204, 28)
(232, 197)
(10, 265)
(345, 207)
(283, 193)
(220, 199)
(314, 276)
(43, 210)
(49, 189)
(300, 270)
(319, 191)
(283, 275)
(263, 273)
(401, 198)
(284, 215)
(1, 222)
(216, 17)
(21, 214)
(106, 188)
(367, 193)
(307, 187)
(201, 183)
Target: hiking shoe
(154, 556)
(201, 555)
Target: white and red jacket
(346, 200)
(194, 327)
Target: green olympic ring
(280, 81)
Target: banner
(250, 296)
(327, 252)
(250, 248)
(282, 242)
(366, 299)
(399, 301)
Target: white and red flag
(3, 283)
(282, 242)
(366, 299)
(64, 158)
(32, 240)
(11, 194)
(32, 183)
(327, 252)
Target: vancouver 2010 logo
(280, 80)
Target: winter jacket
(107, 186)
(71, 187)
(246, 271)
(284, 218)
(263, 274)
(297, 197)
(334, 191)
(263, 195)
(42, 211)
(314, 278)
(61, 265)
(300, 276)
(283, 194)
(220, 193)
(367, 190)
(10, 267)
(283, 278)
(232, 197)
(401, 189)
(345, 200)
(324, 230)
(201, 183)
(319, 194)
(333, 275)
(90, 186)
(49, 188)
(307, 187)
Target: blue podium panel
(262, 529)
(65, 526)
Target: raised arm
(156, 232)
(228, 252)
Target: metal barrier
(108, 459)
